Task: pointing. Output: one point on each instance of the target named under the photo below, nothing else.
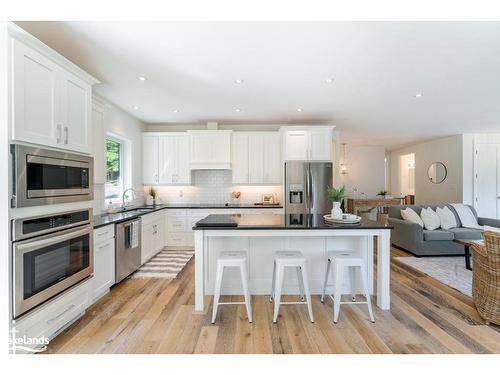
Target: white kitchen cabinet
(99, 142)
(312, 143)
(166, 159)
(176, 228)
(104, 261)
(256, 158)
(52, 106)
(240, 155)
(149, 159)
(152, 235)
(210, 149)
(173, 162)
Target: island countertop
(278, 222)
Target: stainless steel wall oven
(42, 176)
(50, 254)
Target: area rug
(166, 264)
(448, 270)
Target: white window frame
(125, 170)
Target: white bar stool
(232, 259)
(339, 261)
(290, 259)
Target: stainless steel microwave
(42, 176)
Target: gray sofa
(419, 241)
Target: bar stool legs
(232, 259)
(296, 260)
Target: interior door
(487, 180)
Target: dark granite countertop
(279, 221)
(131, 213)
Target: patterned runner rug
(166, 264)
(449, 270)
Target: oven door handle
(53, 238)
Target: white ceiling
(378, 67)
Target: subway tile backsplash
(214, 187)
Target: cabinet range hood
(210, 149)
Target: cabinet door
(256, 158)
(76, 112)
(272, 159)
(99, 144)
(150, 159)
(159, 234)
(36, 107)
(147, 242)
(296, 145)
(239, 162)
(221, 147)
(201, 148)
(166, 159)
(104, 267)
(320, 145)
(182, 160)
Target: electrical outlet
(181, 193)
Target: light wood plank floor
(157, 316)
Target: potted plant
(152, 195)
(383, 193)
(336, 196)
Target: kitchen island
(260, 236)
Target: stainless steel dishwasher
(128, 248)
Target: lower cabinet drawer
(50, 319)
(176, 239)
(103, 234)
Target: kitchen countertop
(118, 217)
(278, 221)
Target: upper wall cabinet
(312, 143)
(210, 149)
(99, 141)
(256, 158)
(166, 159)
(51, 97)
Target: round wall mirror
(437, 172)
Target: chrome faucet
(134, 195)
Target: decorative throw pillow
(409, 215)
(446, 217)
(430, 218)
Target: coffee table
(467, 244)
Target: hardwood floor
(157, 316)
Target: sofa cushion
(438, 235)
(430, 218)
(466, 233)
(409, 215)
(447, 218)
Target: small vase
(336, 211)
(157, 201)
(149, 200)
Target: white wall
(365, 170)
(120, 123)
(446, 150)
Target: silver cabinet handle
(59, 129)
(70, 307)
(66, 135)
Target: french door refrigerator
(305, 187)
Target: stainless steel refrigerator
(305, 187)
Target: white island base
(261, 245)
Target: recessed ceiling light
(299, 109)
(237, 110)
(238, 81)
(175, 111)
(329, 80)
(136, 107)
(418, 95)
(142, 78)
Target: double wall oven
(44, 176)
(50, 254)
